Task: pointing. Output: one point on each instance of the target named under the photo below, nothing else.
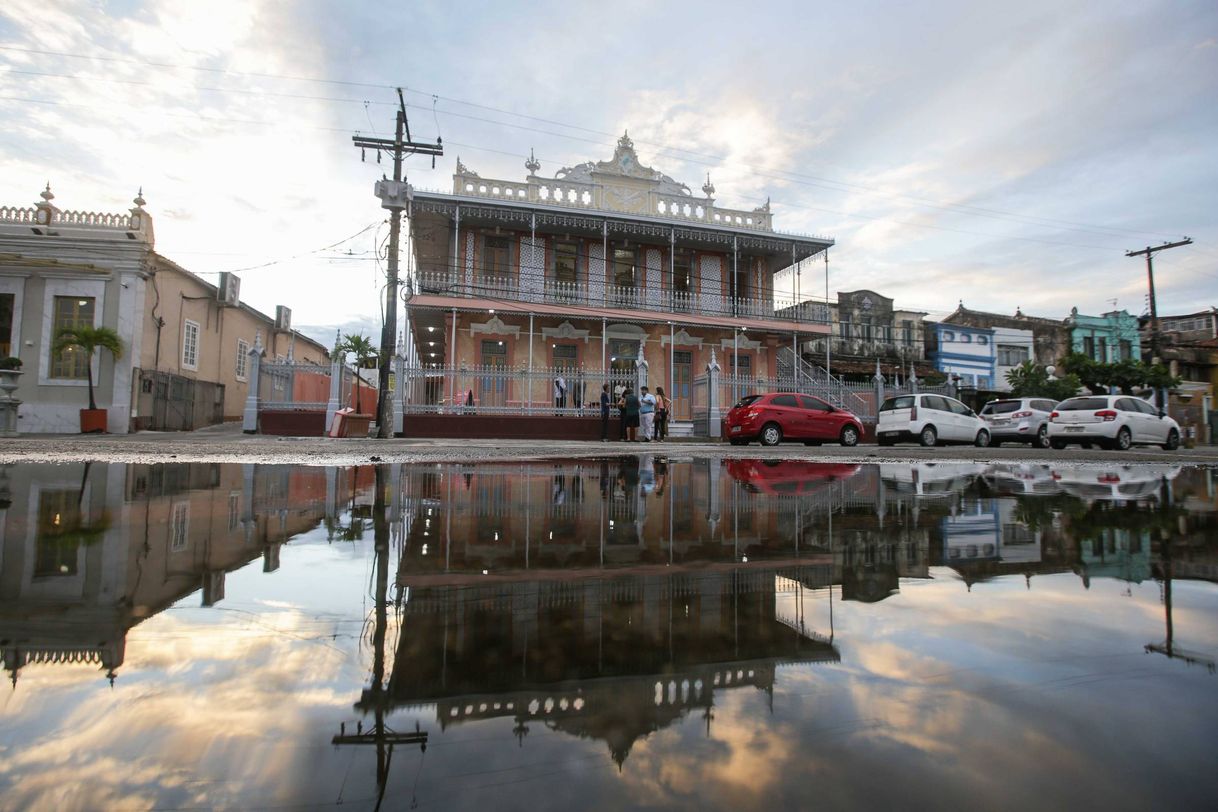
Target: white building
(1011, 348)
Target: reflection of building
(611, 658)
(88, 551)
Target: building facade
(1050, 340)
(963, 353)
(185, 341)
(867, 327)
(1110, 337)
(606, 265)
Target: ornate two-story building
(582, 275)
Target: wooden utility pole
(1150, 277)
(395, 196)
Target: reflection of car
(1019, 420)
(930, 478)
(1021, 478)
(788, 415)
(930, 420)
(1111, 421)
(787, 476)
(1114, 482)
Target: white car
(1111, 421)
(1019, 420)
(929, 420)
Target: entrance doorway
(682, 376)
(492, 384)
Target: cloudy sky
(1007, 156)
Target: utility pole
(1154, 312)
(395, 196)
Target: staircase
(812, 379)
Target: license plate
(1000, 421)
(735, 428)
(1074, 428)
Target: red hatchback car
(782, 416)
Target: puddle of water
(642, 631)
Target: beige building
(185, 341)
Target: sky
(1003, 155)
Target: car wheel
(983, 439)
(1057, 444)
(929, 436)
(771, 434)
(1173, 441)
(1123, 440)
(850, 436)
(1042, 437)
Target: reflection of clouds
(192, 699)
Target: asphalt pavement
(226, 443)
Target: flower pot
(92, 421)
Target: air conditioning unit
(283, 318)
(228, 292)
(394, 194)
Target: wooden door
(682, 385)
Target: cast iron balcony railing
(778, 307)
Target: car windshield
(905, 402)
(1001, 407)
(745, 401)
(1082, 404)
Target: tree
(88, 339)
(1126, 376)
(1091, 373)
(1031, 380)
(361, 347)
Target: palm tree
(88, 339)
(361, 347)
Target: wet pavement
(653, 630)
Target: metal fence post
(712, 397)
(640, 368)
(879, 388)
(249, 418)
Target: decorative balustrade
(29, 215)
(550, 291)
(598, 197)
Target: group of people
(644, 417)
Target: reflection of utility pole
(375, 696)
(1168, 646)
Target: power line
(702, 158)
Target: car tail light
(913, 412)
(1053, 416)
(1108, 478)
(1022, 414)
(1108, 414)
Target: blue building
(964, 351)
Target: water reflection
(610, 602)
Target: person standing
(647, 413)
(630, 409)
(663, 405)
(560, 393)
(605, 413)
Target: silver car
(1019, 420)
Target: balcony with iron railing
(532, 289)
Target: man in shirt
(647, 413)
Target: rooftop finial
(708, 187)
(532, 164)
(625, 141)
(139, 200)
(47, 194)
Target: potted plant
(88, 339)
